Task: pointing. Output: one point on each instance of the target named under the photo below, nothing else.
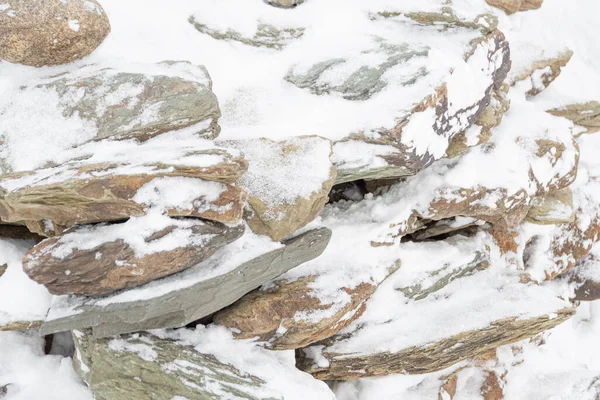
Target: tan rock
(270, 314)
(20, 325)
(288, 182)
(586, 115)
(101, 259)
(433, 357)
(541, 73)
(555, 208)
(50, 32)
(77, 193)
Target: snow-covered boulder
(50, 32)
(449, 320)
(288, 182)
(199, 364)
(49, 115)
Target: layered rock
(113, 186)
(179, 364)
(586, 115)
(192, 294)
(50, 32)
(551, 250)
(101, 259)
(398, 151)
(513, 6)
(466, 323)
(288, 182)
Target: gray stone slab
(180, 307)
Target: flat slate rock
(190, 295)
(101, 259)
(449, 322)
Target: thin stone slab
(133, 311)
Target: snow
(21, 299)
(256, 101)
(276, 369)
(29, 374)
(281, 173)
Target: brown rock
(72, 194)
(270, 313)
(432, 357)
(101, 259)
(3, 269)
(584, 276)
(50, 32)
(586, 115)
(565, 245)
(513, 6)
(288, 182)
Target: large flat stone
(192, 294)
(188, 364)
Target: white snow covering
(21, 299)
(256, 101)
(281, 173)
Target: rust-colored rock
(101, 259)
(50, 32)
(513, 6)
(273, 314)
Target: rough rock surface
(169, 303)
(269, 313)
(50, 32)
(101, 259)
(586, 115)
(144, 366)
(382, 343)
(81, 192)
(288, 182)
(513, 6)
